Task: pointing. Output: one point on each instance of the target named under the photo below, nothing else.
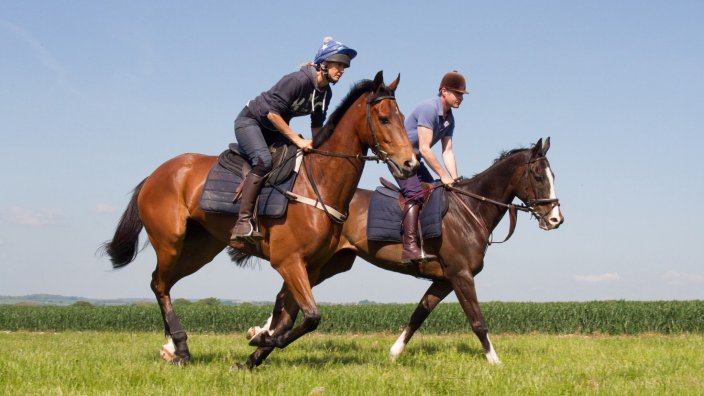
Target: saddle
(385, 213)
(282, 162)
(225, 179)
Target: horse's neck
(496, 183)
(337, 177)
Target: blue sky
(95, 95)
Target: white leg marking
(267, 325)
(491, 356)
(398, 346)
(168, 350)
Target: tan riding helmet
(454, 81)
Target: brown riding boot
(411, 251)
(244, 228)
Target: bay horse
(186, 238)
(476, 206)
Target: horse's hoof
(239, 367)
(168, 352)
(180, 360)
(253, 331)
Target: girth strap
(336, 215)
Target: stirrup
(253, 236)
(424, 258)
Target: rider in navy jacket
(266, 119)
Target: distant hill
(52, 299)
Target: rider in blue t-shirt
(266, 119)
(430, 122)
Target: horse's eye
(384, 120)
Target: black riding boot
(411, 251)
(244, 228)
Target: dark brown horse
(185, 238)
(475, 208)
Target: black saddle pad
(385, 217)
(219, 190)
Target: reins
(512, 212)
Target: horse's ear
(537, 149)
(378, 80)
(546, 146)
(394, 84)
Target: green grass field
(128, 363)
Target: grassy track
(127, 363)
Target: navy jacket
(294, 95)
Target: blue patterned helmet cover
(331, 47)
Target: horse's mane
(504, 155)
(509, 153)
(357, 90)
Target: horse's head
(385, 132)
(537, 187)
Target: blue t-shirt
(429, 114)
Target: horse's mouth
(403, 172)
(550, 223)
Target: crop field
(605, 317)
(614, 347)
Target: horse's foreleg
(273, 320)
(283, 318)
(340, 262)
(466, 293)
(296, 279)
(437, 291)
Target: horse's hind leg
(175, 260)
(437, 291)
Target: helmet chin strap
(326, 73)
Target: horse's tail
(123, 247)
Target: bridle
(528, 206)
(379, 154)
(531, 204)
